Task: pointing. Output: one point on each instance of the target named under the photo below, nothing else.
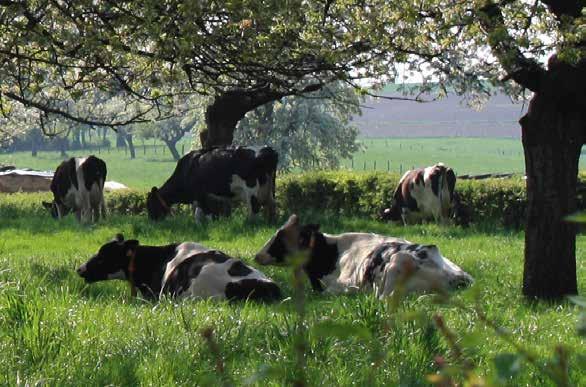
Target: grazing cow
(362, 261)
(22, 180)
(178, 270)
(422, 193)
(78, 185)
(204, 176)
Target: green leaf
(507, 365)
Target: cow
(23, 180)
(353, 261)
(178, 270)
(203, 177)
(423, 193)
(78, 186)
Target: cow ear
(48, 205)
(130, 246)
(154, 190)
(119, 238)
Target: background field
(465, 155)
(57, 330)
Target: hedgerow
(500, 201)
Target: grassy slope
(465, 155)
(55, 328)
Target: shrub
(501, 201)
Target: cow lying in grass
(178, 270)
(362, 261)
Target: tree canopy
(241, 53)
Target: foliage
(56, 54)
(309, 131)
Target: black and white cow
(362, 261)
(423, 193)
(78, 186)
(179, 270)
(204, 176)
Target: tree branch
(525, 71)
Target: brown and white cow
(78, 186)
(363, 261)
(178, 270)
(423, 193)
(204, 177)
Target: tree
(307, 131)
(242, 54)
(472, 46)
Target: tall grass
(56, 330)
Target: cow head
(292, 237)
(422, 268)
(56, 210)
(156, 206)
(111, 261)
(391, 214)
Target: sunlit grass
(57, 330)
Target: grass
(465, 155)
(56, 330)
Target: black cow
(204, 176)
(78, 185)
(178, 270)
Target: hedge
(500, 201)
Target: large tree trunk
(553, 134)
(131, 149)
(172, 145)
(223, 114)
(36, 139)
(120, 139)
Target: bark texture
(553, 133)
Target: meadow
(56, 330)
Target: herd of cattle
(210, 180)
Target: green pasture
(57, 331)
(153, 165)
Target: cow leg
(270, 209)
(198, 213)
(254, 205)
(404, 216)
(103, 207)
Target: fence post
(388, 165)
(400, 169)
(98, 150)
(352, 159)
(182, 149)
(374, 165)
(364, 166)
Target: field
(56, 330)
(466, 155)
